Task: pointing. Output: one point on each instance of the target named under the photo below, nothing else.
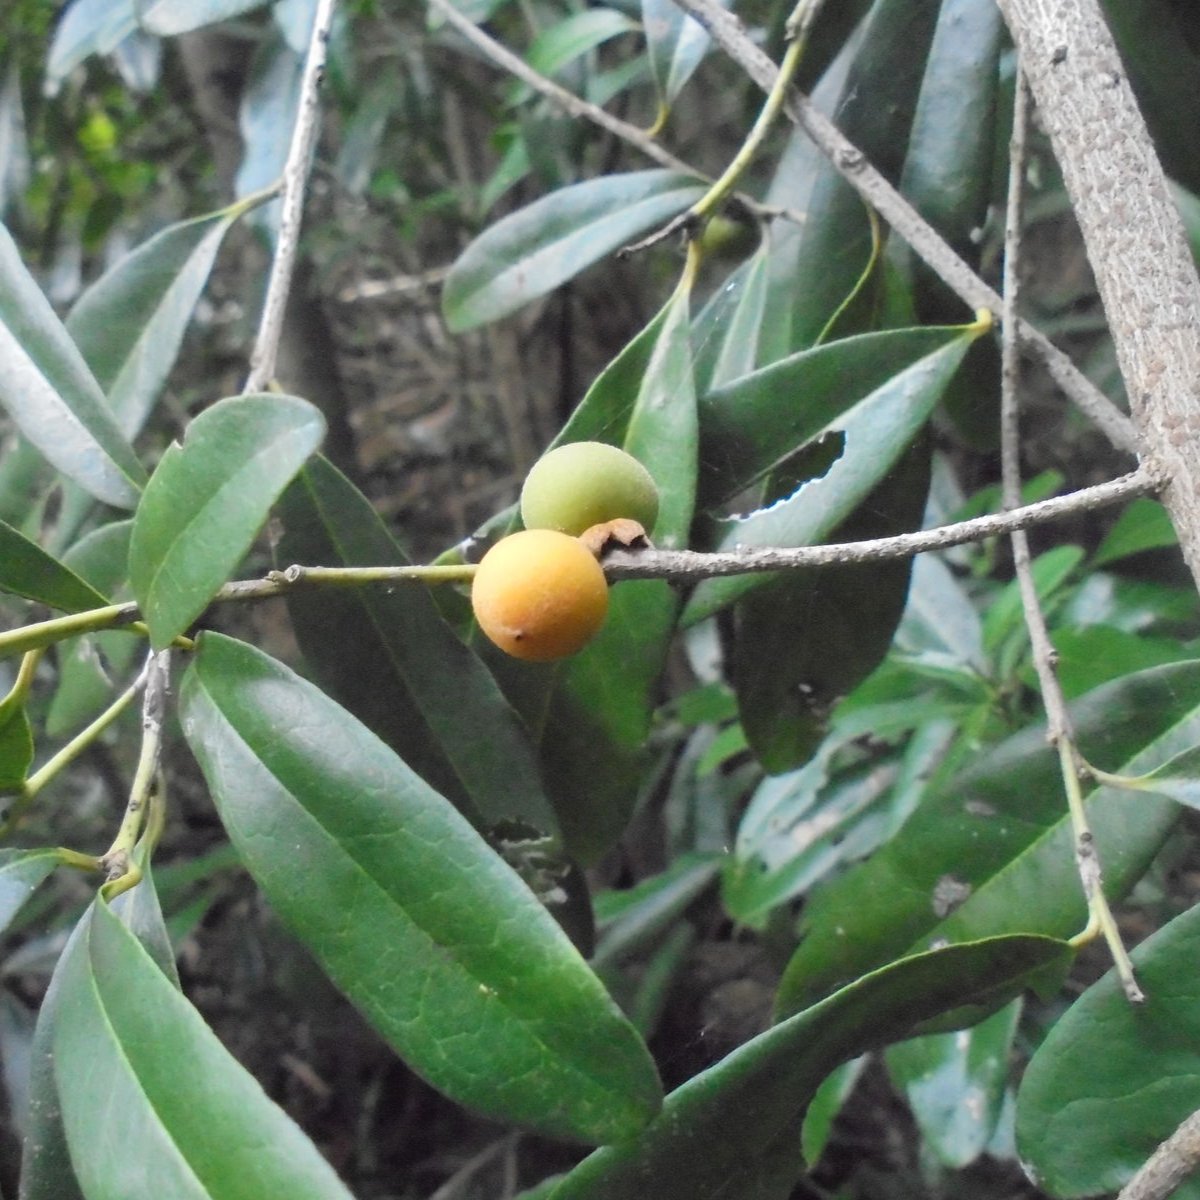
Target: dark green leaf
(1095, 654)
(395, 663)
(130, 323)
(824, 1107)
(566, 40)
(1050, 572)
(52, 396)
(534, 250)
(16, 749)
(955, 1084)
(725, 334)
(123, 1031)
(719, 1128)
(751, 425)
(27, 570)
(867, 440)
(207, 500)
(1112, 1080)
(593, 744)
(91, 667)
(166, 18)
(875, 113)
(46, 1172)
(1144, 525)
(807, 638)
(439, 943)
(20, 873)
(992, 851)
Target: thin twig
(925, 241)
(1058, 720)
(576, 106)
(295, 177)
(1169, 1166)
(121, 869)
(683, 566)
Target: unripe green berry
(582, 484)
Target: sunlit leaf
(87, 27)
(170, 17)
(208, 498)
(52, 396)
(209, 1131)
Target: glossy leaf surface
(53, 398)
(676, 42)
(534, 250)
(985, 855)
(208, 498)
(746, 1111)
(27, 570)
(207, 1132)
(866, 441)
(20, 873)
(1112, 1080)
(436, 940)
(594, 740)
(130, 323)
(392, 659)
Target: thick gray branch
(1134, 236)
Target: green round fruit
(582, 484)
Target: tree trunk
(1134, 236)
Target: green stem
(723, 188)
(19, 692)
(1100, 918)
(58, 629)
(78, 860)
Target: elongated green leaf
(27, 570)
(876, 111)
(396, 664)
(16, 749)
(677, 44)
(439, 943)
(208, 498)
(207, 1132)
(534, 250)
(992, 851)
(20, 873)
(52, 396)
(721, 1127)
(1113, 1080)
(594, 742)
(170, 17)
(567, 39)
(955, 1084)
(46, 1172)
(15, 167)
(87, 27)
(130, 323)
(90, 667)
(872, 435)
(1178, 778)
(735, 349)
(807, 638)
(1144, 525)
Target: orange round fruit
(581, 484)
(540, 595)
